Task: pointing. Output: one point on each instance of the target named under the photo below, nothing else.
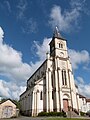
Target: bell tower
(63, 79)
(58, 45)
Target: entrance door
(7, 112)
(65, 105)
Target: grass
(67, 119)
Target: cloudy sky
(26, 28)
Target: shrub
(64, 114)
(42, 114)
(82, 113)
(51, 114)
(55, 114)
(61, 114)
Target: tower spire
(56, 33)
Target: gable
(8, 103)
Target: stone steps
(72, 114)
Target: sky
(26, 28)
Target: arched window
(41, 95)
(64, 79)
(60, 45)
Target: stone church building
(52, 86)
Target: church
(52, 86)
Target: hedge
(61, 114)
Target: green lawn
(67, 119)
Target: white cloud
(30, 26)
(67, 19)
(43, 48)
(11, 62)
(8, 5)
(4, 90)
(78, 57)
(84, 89)
(13, 71)
(22, 6)
(5, 5)
(15, 90)
(80, 80)
(1, 35)
(10, 89)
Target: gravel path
(26, 118)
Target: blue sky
(26, 28)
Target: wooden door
(7, 111)
(65, 105)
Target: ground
(45, 118)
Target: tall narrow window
(64, 79)
(61, 45)
(41, 95)
(52, 94)
(52, 80)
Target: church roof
(76, 86)
(81, 96)
(88, 100)
(37, 69)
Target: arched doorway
(65, 105)
(65, 102)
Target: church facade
(51, 87)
